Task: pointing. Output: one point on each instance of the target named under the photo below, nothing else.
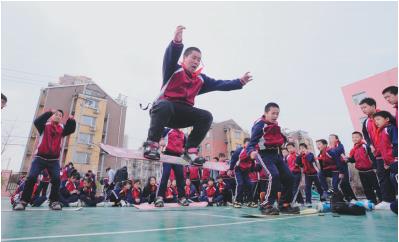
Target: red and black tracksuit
(48, 153)
(174, 146)
(297, 174)
(66, 195)
(307, 161)
(242, 165)
(174, 106)
(363, 158)
(270, 139)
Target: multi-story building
(369, 87)
(299, 136)
(223, 137)
(99, 117)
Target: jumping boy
(47, 155)
(267, 134)
(174, 106)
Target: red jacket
(387, 144)
(174, 141)
(326, 161)
(360, 155)
(136, 193)
(210, 191)
(51, 135)
(244, 162)
(307, 161)
(292, 165)
(223, 173)
(194, 172)
(206, 174)
(253, 176)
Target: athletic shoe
(159, 202)
(191, 155)
(383, 206)
(183, 202)
(20, 206)
(75, 204)
(151, 150)
(289, 210)
(269, 210)
(237, 205)
(253, 205)
(308, 205)
(101, 204)
(55, 206)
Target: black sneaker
(159, 202)
(191, 156)
(269, 210)
(55, 206)
(183, 202)
(289, 210)
(151, 150)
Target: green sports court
(205, 224)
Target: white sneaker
(383, 206)
(75, 204)
(101, 204)
(308, 205)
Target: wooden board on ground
(30, 209)
(302, 212)
(138, 154)
(170, 206)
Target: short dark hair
(369, 101)
(62, 112)
(216, 158)
(246, 140)
(219, 177)
(385, 114)
(323, 141)
(303, 145)
(290, 144)
(391, 89)
(108, 168)
(336, 136)
(358, 133)
(222, 155)
(271, 105)
(189, 50)
(211, 179)
(3, 97)
(136, 181)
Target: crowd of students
(265, 170)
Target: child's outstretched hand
(247, 77)
(179, 34)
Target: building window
(356, 98)
(85, 138)
(237, 134)
(88, 120)
(91, 103)
(208, 147)
(82, 157)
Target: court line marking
(150, 230)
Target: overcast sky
(300, 54)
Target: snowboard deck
(259, 215)
(170, 206)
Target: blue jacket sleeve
(335, 153)
(393, 136)
(165, 132)
(256, 135)
(366, 133)
(310, 158)
(170, 59)
(211, 84)
(40, 122)
(235, 157)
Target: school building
(99, 118)
(369, 87)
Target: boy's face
(272, 115)
(188, 182)
(152, 181)
(137, 185)
(367, 109)
(73, 179)
(302, 149)
(380, 121)
(57, 116)
(192, 61)
(285, 152)
(356, 138)
(86, 183)
(291, 149)
(332, 140)
(391, 98)
(320, 146)
(210, 183)
(128, 185)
